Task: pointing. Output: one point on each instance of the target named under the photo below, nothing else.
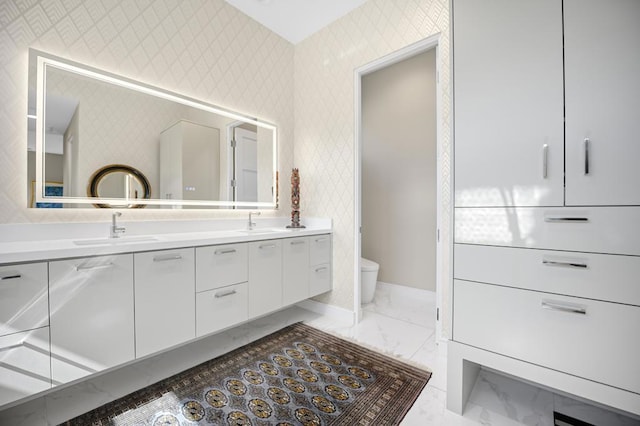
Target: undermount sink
(115, 241)
(259, 231)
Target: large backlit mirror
(100, 140)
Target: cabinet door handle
(168, 257)
(225, 294)
(226, 251)
(92, 267)
(323, 268)
(587, 142)
(321, 240)
(267, 246)
(566, 219)
(10, 277)
(545, 162)
(565, 264)
(563, 307)
(296, 243)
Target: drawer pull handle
(323, 268)
(296, 243)
(555, 306)
(225, 294)
(586, 155)
(321, 240)
(566, 219)
(565, 264)
(545, 162)
(267, 246)
(165, 258)
(92, 267)
(11, 277)
(227, 251)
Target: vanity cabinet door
(164, 299)
(24, 297)
(265, 277)
(508, 106)
(92, 321)
(220, 266)
(24, 364)
(295, 270)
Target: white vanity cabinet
(221, 285)
(164, 299)
(25, 366)
(320, 264)
(24, 297)
(295, 270)
(265, 277)
(92, 320)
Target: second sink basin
(109, 241)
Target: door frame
(432, 42)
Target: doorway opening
(398, 174)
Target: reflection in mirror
(192, 154)
(119, 182)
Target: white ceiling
(295, 20)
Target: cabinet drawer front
(319, 279)
(24, 297)
(164, 290)
(25, 367)
(614, 230)
(92, 321)
(595, 276)
(319, 249)
(221, 308)
(265, 277)
(220, 266)
(543, 329)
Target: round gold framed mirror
(119, 181)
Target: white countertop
(92, 245)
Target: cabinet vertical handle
(563, 307)
(587, 142)
(225, 293)
(10, 277)
(228, 251)
(91, 267)
(545, 160)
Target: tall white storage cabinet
(190, 162)
(546, 254)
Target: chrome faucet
(251, 223)
(115, 229)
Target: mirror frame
(98, 175)
(44, 60)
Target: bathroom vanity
(71, 308)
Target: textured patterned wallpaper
(205, 49)
(324, 115)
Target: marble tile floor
(400, 322)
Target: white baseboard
(335, 312)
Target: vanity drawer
(319, 249)
(542, 329)
(24, 297)
(25, 368)
(221, 308)
(319, 279)
(595, 276)
(613, 230)
(220, 266)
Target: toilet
(368, 279)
